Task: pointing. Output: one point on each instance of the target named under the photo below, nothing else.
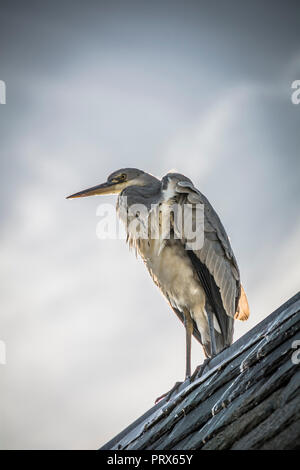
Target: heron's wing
(214, 262)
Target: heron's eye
(123, 176)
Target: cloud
(90, 340)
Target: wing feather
(217, 257)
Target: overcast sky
(203, 87)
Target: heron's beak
(105, 188)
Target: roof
(248, 398)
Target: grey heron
(202, 285)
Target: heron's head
(116, 182)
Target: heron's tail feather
(243, 310)
(221, 343)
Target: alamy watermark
(2, 92)
(296, 354)
(295, 96)
(158, 222)
(2, 353)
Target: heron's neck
(147, 194)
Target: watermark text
(296, 354)
(2, 353)
(183, 222)
(295, 97)
(2, 92)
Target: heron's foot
(170, 393)
(200, 369)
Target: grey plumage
(202, 285)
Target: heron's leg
(200, 369)
(188, 322)
(213, 346)
(170, 393)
